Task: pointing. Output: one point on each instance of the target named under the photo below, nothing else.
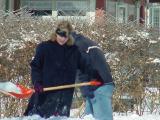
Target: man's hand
(38, 87)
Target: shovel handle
(66, 86)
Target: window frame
(71, 12)
(118, 6)
(32, 6)
(152, 10)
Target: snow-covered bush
(132, 52)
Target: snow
(9, 87)
(156, 60)
(153, 60)
(36, 117)
(142, 34)
(116, 116)
(153, 41)
(137, 117)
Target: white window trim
(118, 5)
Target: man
(98, 99)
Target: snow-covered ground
(89, 117)
(116, 116)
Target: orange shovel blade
(25, 92)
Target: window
(38, 7)
(41, 12)
(121, 12)
(110, 7)
(72, 7)
(155, 16)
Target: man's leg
(88, 107)
(102, 102)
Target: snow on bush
(127, 47)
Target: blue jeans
(101, 105)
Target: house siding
(16, 5)
(2, 4)
(154, 1)
(100, 4)
(129, 1)
(142, 14)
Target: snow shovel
(22, 92)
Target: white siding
(2, 4)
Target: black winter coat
(99, 70)
(54, 65)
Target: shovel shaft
(66, 86)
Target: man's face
(61, 39)
(62, 36)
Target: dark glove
(38, 87)
(87, 91)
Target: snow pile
(36, 117)
(90, 117)
(156, 60)
(136, 117)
